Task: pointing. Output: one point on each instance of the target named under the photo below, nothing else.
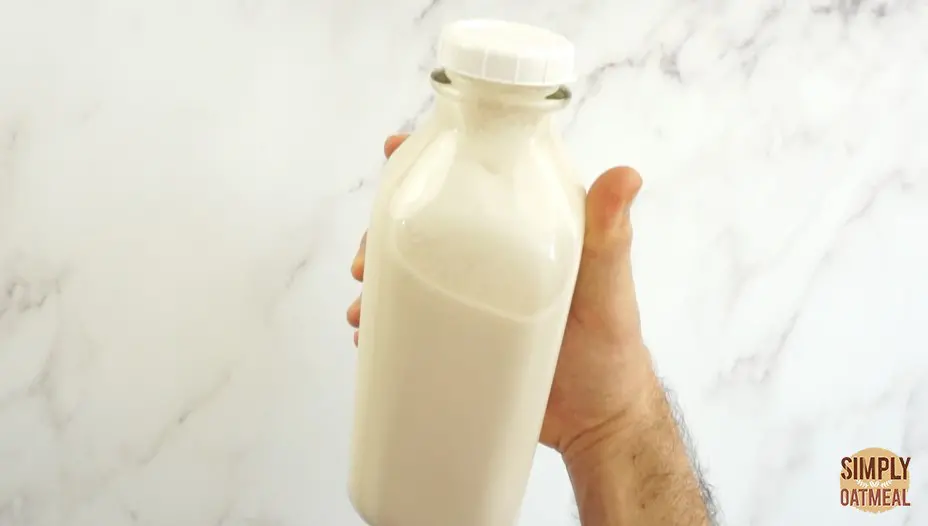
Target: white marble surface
(183, 184)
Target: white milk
(472, 256)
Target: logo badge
(875, 480)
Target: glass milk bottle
(472, 256)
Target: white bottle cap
(506, 52)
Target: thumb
(608, 227)
(605, 294)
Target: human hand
(604, 374)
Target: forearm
(636, 471)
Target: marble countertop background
(183, 185)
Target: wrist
(627, 430)
(636, 471)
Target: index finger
(392, 143)
(357, 266)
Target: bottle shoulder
(530, 177)
(505, 233)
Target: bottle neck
(494, 108)
(541, 97)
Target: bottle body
(471, 261)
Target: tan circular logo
(875, 480)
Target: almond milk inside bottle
(471, 260)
